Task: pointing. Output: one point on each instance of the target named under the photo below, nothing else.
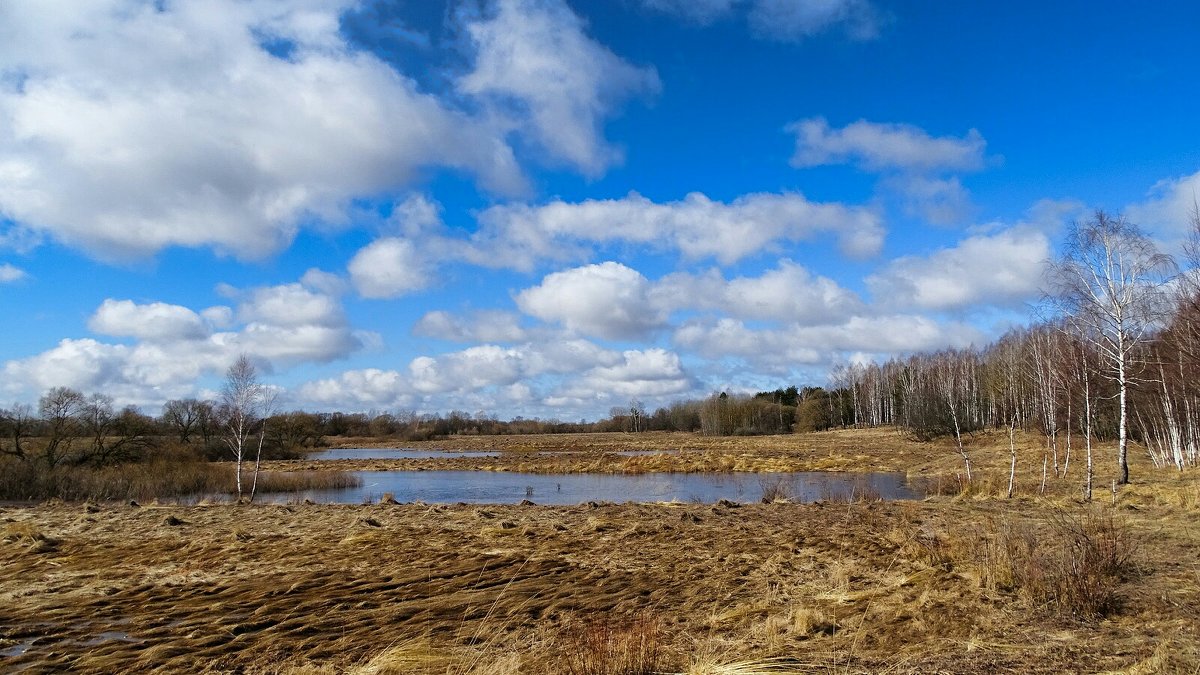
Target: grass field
(956, 583)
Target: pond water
(392, 453)
(407, 453)
(502, 487)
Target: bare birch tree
(954, 380)
(1043, 365)
(266, 408)
(241, 403)
(1109, 286)
(1084, 370)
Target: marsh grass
(303, 481)
(860, 493)
(777, 489)
(1171, 656)
(940, 485)
(165, 477)
(613, 646)
(1076, 567)
(28, 537)
(954, 583)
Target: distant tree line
(1115, 356)
(68, 427)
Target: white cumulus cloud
(472, 368)
(728, 337)
(700, 11)
(153, 322)
(534, 61)
(355, 389)
(126, 127)
(483, 326)
(1167, 212)
(878, 147)
(941, 201)
(519, 235)
(641, 373)
(1003, 269)
(290, 305)
(783, 347)
(798, 19)
(388, 268)
(607, 300)
(173, 346)
(789, 292)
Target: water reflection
(392, 453)
(408, 453)
(496, 487)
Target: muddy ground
(827, 587)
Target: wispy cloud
(550, 82)
(881, 147)
(10, 273)
(784, 20)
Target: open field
(963, 583)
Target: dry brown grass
(1076, 565)
(301, 481)
(171, 478)
(164, 478)
(840, 450)
(859, 587)
(608, 645)
(26, 537)
(775, 588)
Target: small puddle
(111, 636)
(19, 649)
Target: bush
(813, 415)
(1078, 570)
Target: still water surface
(406, 453)
(392, 453)
(502, 487)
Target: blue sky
(548, 208)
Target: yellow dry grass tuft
(1170, 657)
(28, 537)
(707, 666)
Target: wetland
(839, 584)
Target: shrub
(813, 415)
(1078, 570)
